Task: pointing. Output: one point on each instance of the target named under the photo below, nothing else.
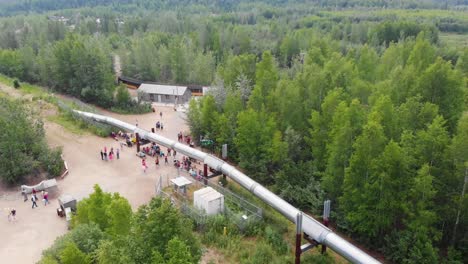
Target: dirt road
(36, 229)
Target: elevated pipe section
(310, 226)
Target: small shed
(180, 184)
(164, 93)
(209, 200)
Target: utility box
(209, 200)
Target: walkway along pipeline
(310, 226)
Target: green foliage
(106, 229)
(122, 97)
(16, 84)
(253, 141)
(87, 237)
(296, 183)
(23, 149)
(72, 255)
(119, 214)
(177, 252)
(157, 223)
(266, 76)
(388, 32)
(53, 162)
(275, 240)
(111, 213)
(364, 106)
(317, 258)
(263, 254)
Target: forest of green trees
(354, 101)
(384, 136)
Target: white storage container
(209, 200)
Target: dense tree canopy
(347, 100)
(380, 145)
(105, 230)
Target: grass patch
(454, 40)
(68, 124)
(25, 87)
(134, 109)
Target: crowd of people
(154, 151)
(110, 156)
(45, 199)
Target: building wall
(169, 99)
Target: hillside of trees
(351, 101)
(9, 7)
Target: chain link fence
(236, 208)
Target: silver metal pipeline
(310, 226)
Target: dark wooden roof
(131, 81)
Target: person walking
(46, 198)
(105, 156)
(143, 164)
(102, 155)
(110, 156)
(25, 195)
(162, 127)
(33, 200)
(160, 114)
(173, 150)
(118, 154)
(165, 160)
(13, 214)
(156, 161)
(168, 151)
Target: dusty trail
(35, 229)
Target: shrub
(263, 254)
(275, 240)
(16, 84)
(52, 162)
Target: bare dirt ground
(36, 229)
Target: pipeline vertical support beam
(205, 174)
(137, 137)
(324, 247)
(298, 237)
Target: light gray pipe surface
(310, 226)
